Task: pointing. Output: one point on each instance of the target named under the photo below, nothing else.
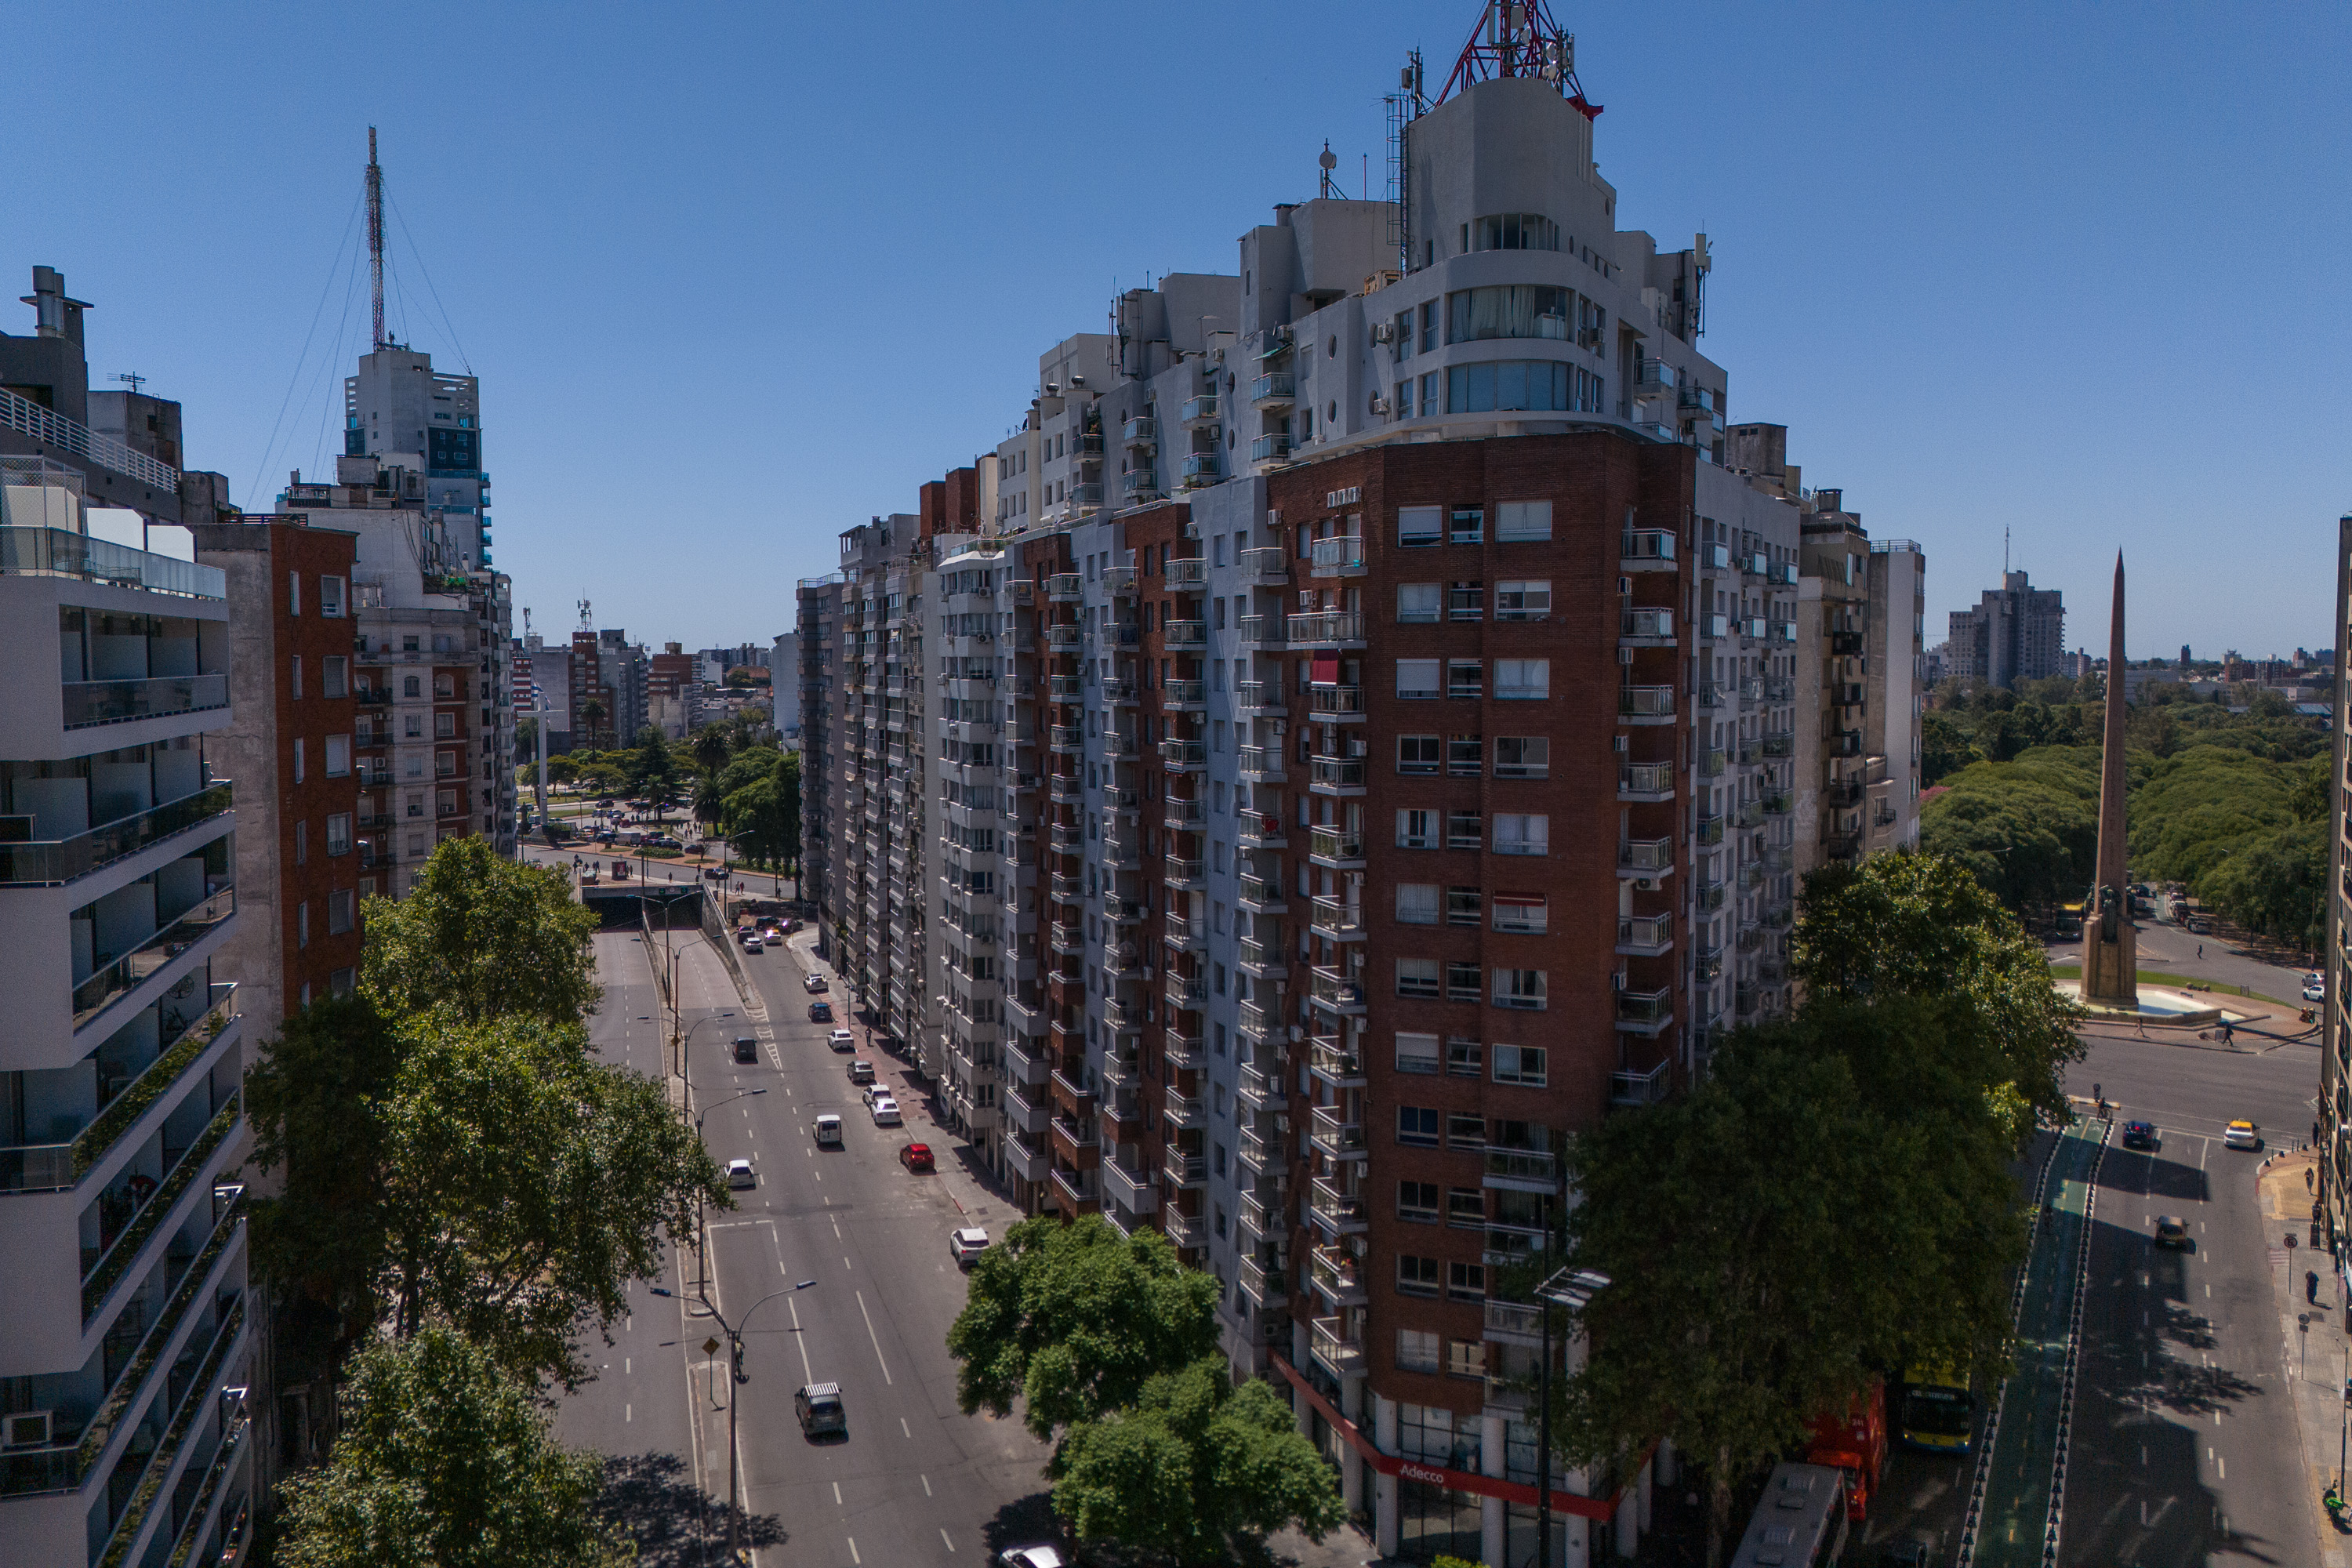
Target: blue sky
(739, 276)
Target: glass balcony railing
(175, 937)
(90, 703)
(36, 862)
(110, 1265)
(59, 552)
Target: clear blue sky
(738, 278)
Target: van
(827, 1129)
(747, 1049)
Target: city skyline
(561, 217)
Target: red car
(917, 1157)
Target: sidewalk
(2315, 1372)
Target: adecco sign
(1413, 1472)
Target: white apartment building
(126, 1347)
(399, 409)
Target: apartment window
(1466, 1281)
(1418, 753)
(1464, 829)
(1522, 680)
(444, 765)
(1465, 678)
(1416, 903)
(1521, 1065)
(1465, 1130)
(448, 802)
(338, 833)
(1465, 1207)
(1417, 1350)
(1465, 600)
(334, 676)
(1417, 1053)
(1463, 906)
(298, 677)
(342, 907)
(1416, 830)
(293, 593)
(1417, 978)
(302, 770)
(1523, 599)
(1416, 1276)
(409, 687)
(1504, 384)
(1465, 756)
(415, 808)
(1522, 757)
(1523, 913)
(1466, 525)
(445, 726)
(331, 596)
(413, 728)
(1428, 325)
(1465, 1358)
(1405, 399)
(1416, 679)
(1521, 988)
(302, 923)
(1518, 521)
(1402, 328)
(1417, 1200)
(339, 984)
(1420, 527)
(1417, 1124)
(339, 757)
(1462, 981)
(301, 843)
(1417, 603)
(445, 687)
(1465, 1059)
(1507, 310)
(1522, 833)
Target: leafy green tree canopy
(483, 936)
(444, 1460)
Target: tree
(483, 936)
(1194, 1465)
(711, 748)
(527, 742)
(1074, 1318)
(764, 815)
(592, 719)
(1920, 925)
(525, 1185)
(653, 771)
(740, 677)
(444, 1460)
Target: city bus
(1940, 1413)
(1800, 1523)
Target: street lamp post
(686, 1038)
(1572, 1289)
(734, 1333)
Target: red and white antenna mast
(376, 237)
(1519, 38)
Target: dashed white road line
(876, 1339)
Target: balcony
(1181, 756)
(1645, 858)
(1136, 1194)
(1184, 935)
(1333, 1065)
(1645, 1012)
(1185, 634)
(1327, 629)
(1645, 936)
(1336, 848)
(1201, 469)
(1268, 566)
(1522, 1170)
(1343, 557)
(1338, 993)
(1183, 696)
(1184, 875)
(1028, 1161)
(1122, 1070)
(1185, 993)
(52, 862)
(1265, 1216)
(107, 1269)
(1262, 1282)
(1708, 831)
(60, 552)
(1140, 484)
(1633, 1090)
(1075, 1191)
(1263, 961)
(1335, 1137)
(1645, 704)
(1338, 1352)
(187, 1049)
(1275, 389)
(1023, 1112)
(1336, 1212)
(1263, 633)
(1185, 574)
(1510, 1324)
(1335, 775)
(1185, 1169)
(1647, 782)
(1645, 627)
(1182, 1049)
(1261, 1089)
(1065, 588)
(1201, 410)
(1262, 764)
(1182, 815)
(1274, 448)
(1646, 550)
(1142, 431)
(1182, 1109)
(124, 974)
(90, 703)
(1336, 703)
(1337, 1277)
(1256, 831)
(1261, 896)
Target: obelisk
(2110, 950)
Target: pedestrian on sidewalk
(2200, 950)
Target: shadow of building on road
(673, 1521)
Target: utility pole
(735, 1365)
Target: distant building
(784, 664)
(673, 691)
(609, 671)
(2017, 632)
(399, 409)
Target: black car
(820, 1012)
(2139, 1135)
(747, 1049)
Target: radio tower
(376, 238)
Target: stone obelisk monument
(2110, 949)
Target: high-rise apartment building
(2334, 1198)
(784, 668)
(610, 671)
(431, 639)
(125, 1346)
(2016, 632)
(399, 409)
(673, 691)
(292, 743)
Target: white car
(812, 984)
(2241, 1135)
(2314, 990)
(842, 1040)
(1030, 1557)
(751, 942)
(739, 1173)
(827, 1129)
(886, 1112)
(963, 1245)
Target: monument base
(2153, 1004)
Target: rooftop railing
(60, 552)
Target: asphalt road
(760, 884)
(2169, 949)
(2186, 1450)
(916, 1480)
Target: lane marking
(853, 1551)
(925, 1479)
(807, 1374)
(944, 1536)
(628, 1413)
(844, 1263)
(625, 1368)
(836, 1494)
(910, 1431)
(876, 1338)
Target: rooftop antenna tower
(1406, 105)
(1519, 38)
(586, 625)
(376, 238)
(132, 380)
(1328, 160)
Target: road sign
(711, 1347)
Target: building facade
(2016, 632)
(612, 673)
(2333, 1204)
(673, 692)
(292, 743)
(399, 409)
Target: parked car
(861, 1072)
(967, 1243)
(739, 1173)
(886, 1112)
(916, 1157)
(2241, 1135)
(812, 984)
(819, 1406)
(827, 1129)
(1031, 1557)
(747, 1049)
(820, 1012)
(842, 1040)
(2139, 1135)
(2172, 1230)
(2314, 990)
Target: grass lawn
(2158, 977)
